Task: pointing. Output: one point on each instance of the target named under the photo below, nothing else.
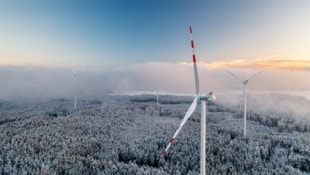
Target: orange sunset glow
(290, 64)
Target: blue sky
(117, 33)
(121, 45)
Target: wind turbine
(191, 109)
(157, 98)
(244, 96)
(75, 77)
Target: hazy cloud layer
(270, 63)
(32, 81)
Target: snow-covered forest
(127, 134)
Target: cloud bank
(47, 82)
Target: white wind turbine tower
(75, 77)
(244, 96)
(189, 112)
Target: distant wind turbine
(157, 98)
(244, 95)
(189, 112)
(75, 78)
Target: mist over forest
(169, 78)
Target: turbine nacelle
(209, 97)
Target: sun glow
(10, 62)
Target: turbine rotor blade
(196, 79)
(234, 76)
(189, 112)
(194, 61)
(194, 104)
(253, 76)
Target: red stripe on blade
(190, 29)
(164, 154)
(194, 58)
(192, 42)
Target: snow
(127, 134)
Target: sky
(145, 44)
